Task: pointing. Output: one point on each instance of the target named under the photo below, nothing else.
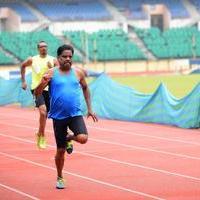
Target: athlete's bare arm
(86, 92)
(55, 62)
(26, 63)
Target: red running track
(121, 161)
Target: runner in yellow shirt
(40, 64)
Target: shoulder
(53, 60)
(34, 57)
(28, 61)
(50, 57)
(79, 72)
(30, 58)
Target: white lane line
(146, 149)
(18, 191)
(143, 167)
(119, 144)
(129, 133)
(83, 177)
(115, 161)
(143, 135)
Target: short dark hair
(63, 48)
(38, 44)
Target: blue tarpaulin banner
(111, 100)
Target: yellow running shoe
(60, 184)
(69, 143)
(69, 147)
(41, 141)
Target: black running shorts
(42, 99)
(75, 124)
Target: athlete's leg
(60, 127)
(78, 127)
(40, 104)
(42, 119)
(44, 104)
(81, 138)
(59, 161)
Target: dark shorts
(75, 124)
(43, 99)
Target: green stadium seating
(4, 60)
(24, 44)
(105, 45)
(172, 43)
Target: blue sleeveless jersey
(65, 94)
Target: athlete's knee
(82, 138)
(60, 153)
(43, 111)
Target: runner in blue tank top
(65, 87)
